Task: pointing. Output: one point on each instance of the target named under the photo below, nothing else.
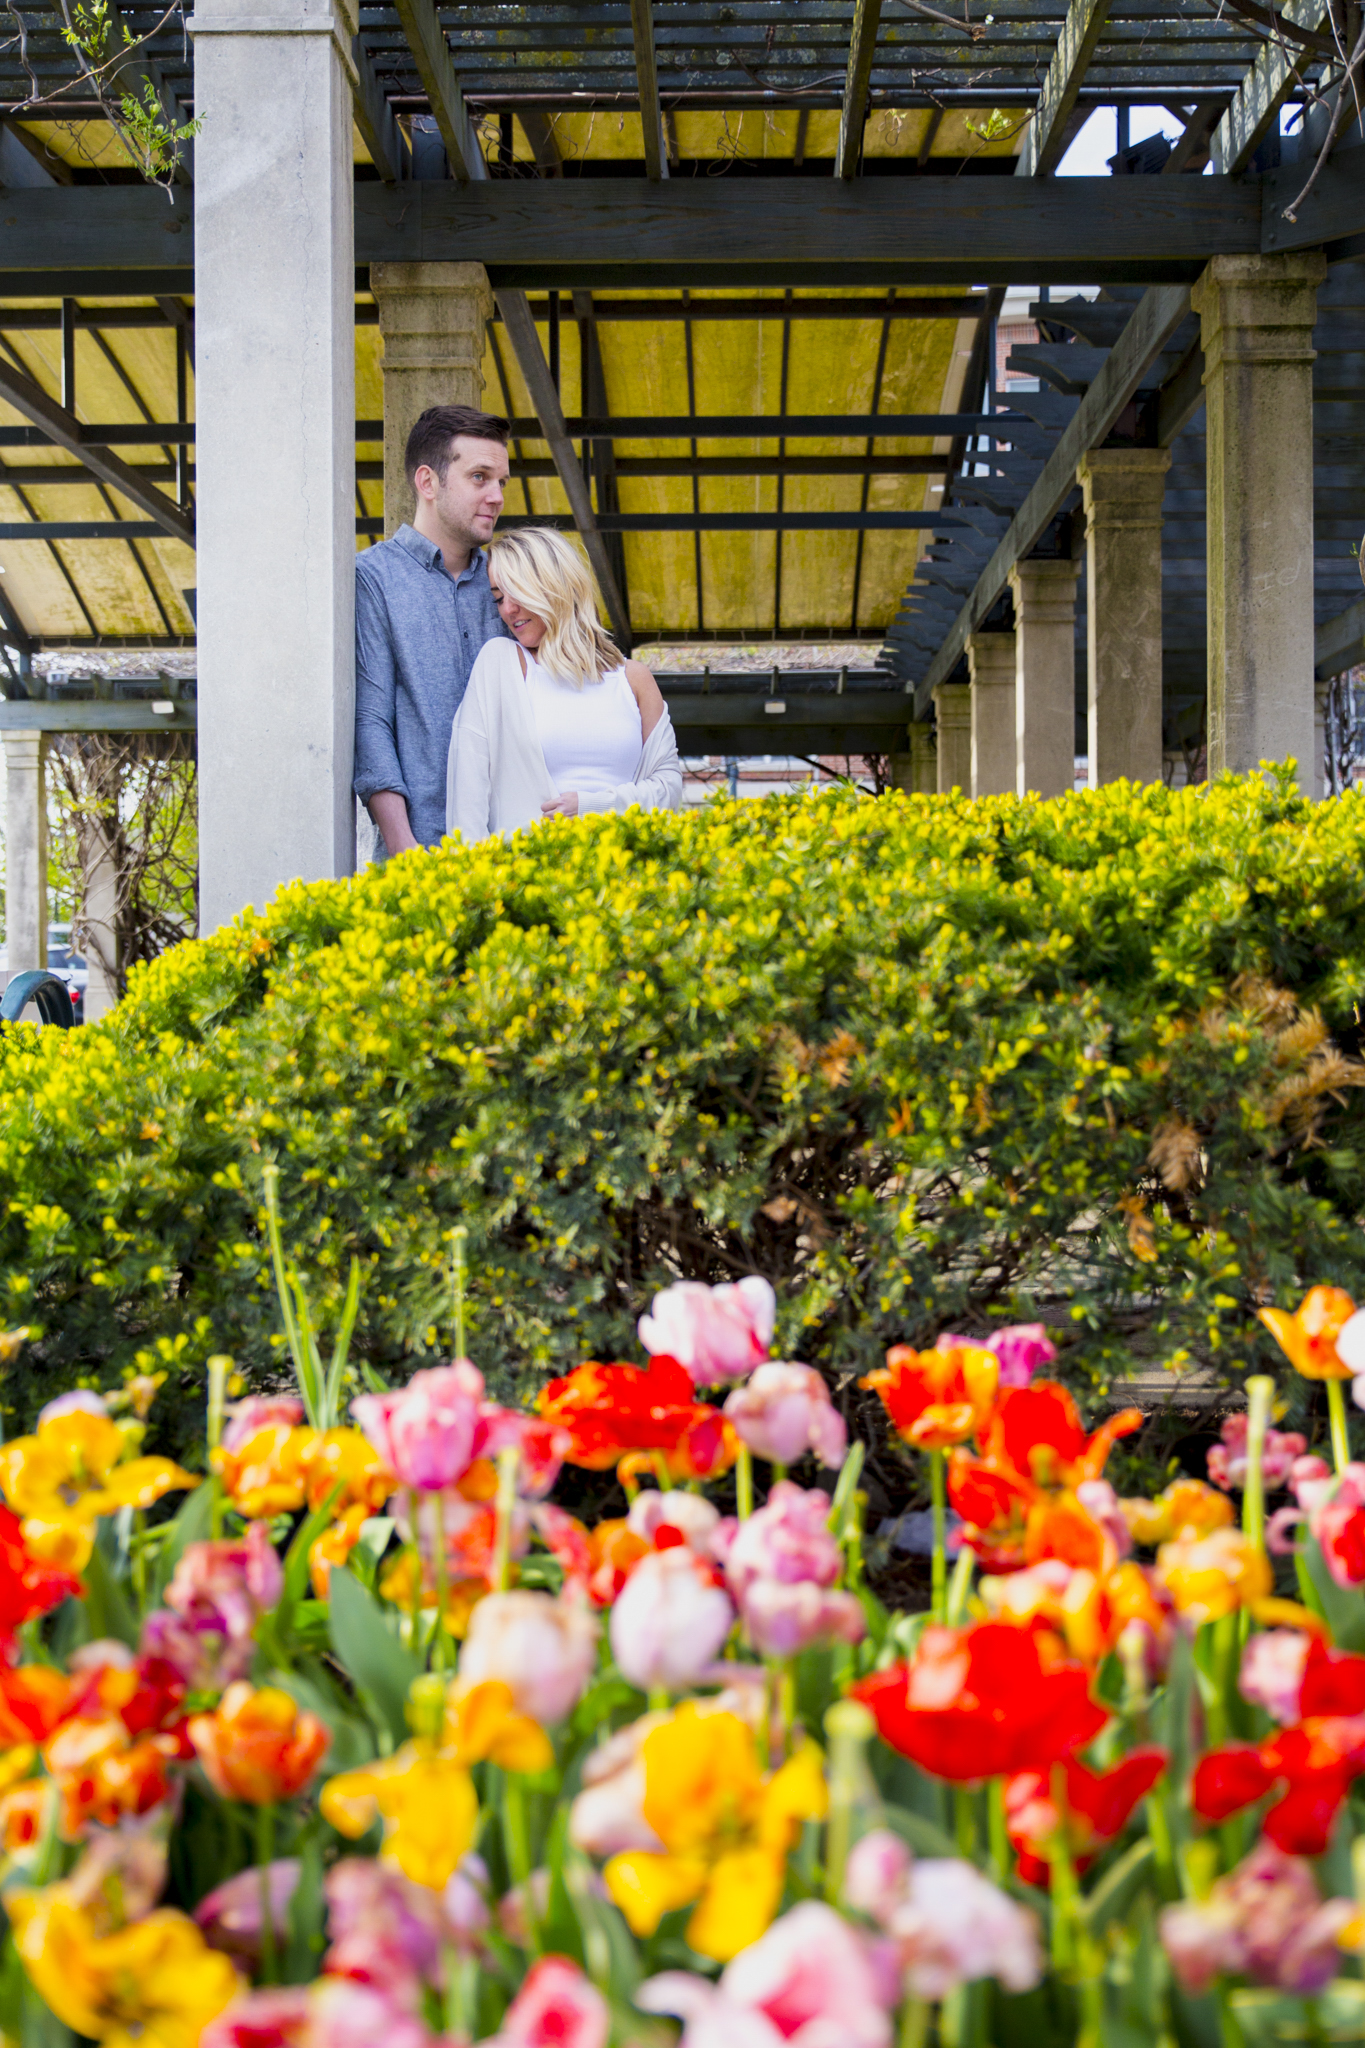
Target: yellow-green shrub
(923, 1062)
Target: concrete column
(432, 317)
(1123, 489)
(25, 850)
(990, 663)
(1045, 676)
(1256, 315)
(916, 772)
(98, 932)
(275, 396)
(953, 703)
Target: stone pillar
(1256, 315)
(990, 663)
(275, 398)
(916, 772)
(25, 850)
(953, 704)
(432, 317)
(1123, 489)
(1045, 676)
(99, 934)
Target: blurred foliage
(927, 1064)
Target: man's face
(468, 499)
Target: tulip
(259, 1411)
(74, 1469)
(217, 1594)
(1184, 1510)
(425, 1432)
(608, 1815)
(1210, 1576)
(556, 2007)
(266, 1473)
(1104, 1507)
(718, 1333)
(230, 1917)
(386, 1930)
(1272, 1672)
(670, 1621)
(1099, 1806)
(788, 1539)
(544, 1649)
(28, 1587)
(949, 1925)
(156, 1980)
(276, 2017)
(689, 1514)
(1308, 1337)
(782, 1620)
(785, 1411)
(122, 1872)
(982, 1702)
(937, 1398)
(1264, 1921)
(524, 1908)
(1022, 1350)
(1228, 1459)
(811, 1978)
(345, 2014)
(1338, 1523)
(258, 1746)
(608, 1411)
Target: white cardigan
(496, 778)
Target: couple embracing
(487, 693)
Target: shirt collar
(429, 554)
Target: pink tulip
(787, 1539)
(217, 1594)
(1264, 1921)
(556, 2007)
(811, 1981)
(259, 1411)
(1338, 1522)
(513, 1919)
(230, 1916)
(1228, 1460)
(669, 1621)
(426, 1432)
(80, 1401)
(1311, 1478)
(785, 1411)
(783, 1620)
(127, 1863)
(389, 1931)
(608, 1816)
(545, 1649)
(1021, 1349)
(718, 1333)
(1272, 1672)
(694, 1518)
(274, 2018)
(344, 2013)
(948, 1923)
(1101, 1503)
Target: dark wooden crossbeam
(769, 426)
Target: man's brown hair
(429, 442)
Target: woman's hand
(563, 806)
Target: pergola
(734, 271)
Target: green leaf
(1343, 1609)
(106, 1603)
(190, 1525)
(1113, 1896)
(307, 1910)
(923, 1836)
(370, 1650)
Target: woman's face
(521, 624)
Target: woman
(553, 722)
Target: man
(423, 609)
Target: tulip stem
(458, 1237)
(1336, 1409)
(1260, 1394)
(265, 1853)
(441, 1643)
(219, 1367)
(507, 1500)
(940, 1558)
(960, 1588)
(416, 1596)
(516, 1837)
(997, 1830)
(914, 2031)
(744, 1483)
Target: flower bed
(373, 1742)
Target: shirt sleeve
(469, 767)
(376, 695)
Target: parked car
(68, 966)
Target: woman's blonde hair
(538, 567)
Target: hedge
(925, 1063)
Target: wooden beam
(521, 332)
(647, 81)
(78, 714)
(1339, 643)
(62, 428)
(1045, 140)
(380, 132)
(862, 48)
(431, 54)
(1155, 318)
(766, 426)
(1252, 114)
(1191, 152)
(539, 130)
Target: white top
(591, 738)
(497, 777)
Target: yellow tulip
(424, 1793)
(154, 1984)
(1210, 1576)
(73, 1469)
(726, 1829)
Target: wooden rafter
(64, 429)
(647, 78)
(862, 49)
(1046, 137)
(1253, 112)
(431, 54)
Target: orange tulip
(1187, 1507)
(268, 1474)
(1019, 1501)
(257, 1746)
(1308, 1338)
(346, 1458)
(937, 1398)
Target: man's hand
(390, 813)
(564, 806)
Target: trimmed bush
(923, 1062)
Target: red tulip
(1228, 1779)
(1099, 1805)
(609, 1410)
(984, 1702)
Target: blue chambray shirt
(417, 632)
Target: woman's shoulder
(637, 675)
(495, 659)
